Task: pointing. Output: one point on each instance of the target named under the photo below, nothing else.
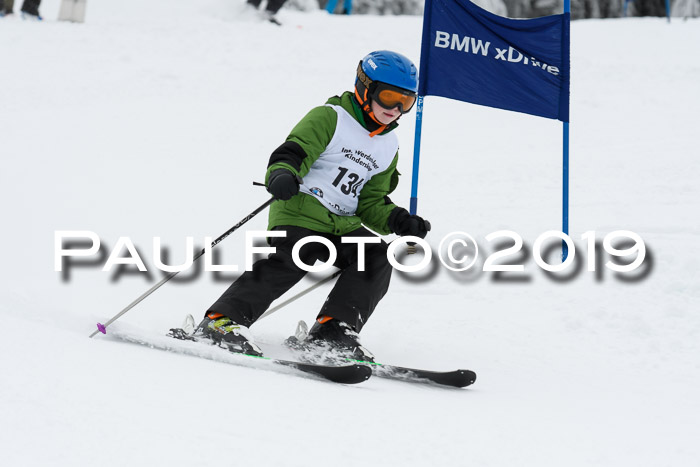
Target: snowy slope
(153, 118)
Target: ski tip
(468, 378)
(366, 372)
(102, 328)
(360, 373)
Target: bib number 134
(353, 182)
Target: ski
(352, 373)
(179, 341)
(456, 378)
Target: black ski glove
(402, 223)
(283, 184)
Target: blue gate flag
(472, 55)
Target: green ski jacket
(366, 192)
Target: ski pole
(300, 294)
(103, 327)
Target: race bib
(349, 161)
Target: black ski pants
(273, 6)
(352, 300)
(31, 7)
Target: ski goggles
(389, 96)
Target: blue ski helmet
(384, 66)
(390, 68)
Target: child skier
(332, 174)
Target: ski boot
(220, 330)
(330, 339)
(27, 16)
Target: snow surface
(153, 118)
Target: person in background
(273, 6)
(347, 6)
(30, 10)
(6, 7)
